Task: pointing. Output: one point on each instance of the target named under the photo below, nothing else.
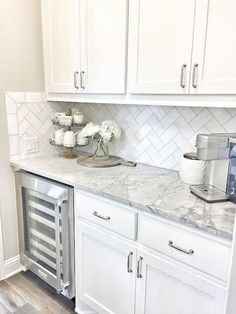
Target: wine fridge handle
(58, 204)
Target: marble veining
(151, 189)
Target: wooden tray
(89, 161)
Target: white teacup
(69, 139)
(78, 117)
(58, 115)
(58, 136)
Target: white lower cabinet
(166, 288)
(116, 275)
(105, 271)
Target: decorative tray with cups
(101, 135)
(65, 136)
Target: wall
(21, 69)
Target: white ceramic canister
(58, 136)
(192, 170)
(69, 139)
(78, 117)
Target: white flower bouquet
(102, 134)
(89, 130)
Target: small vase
(101, 151)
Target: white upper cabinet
(61, 44)
(155, 47)
(85, 43)
(214, 53)
(160, 46)
(103, 27)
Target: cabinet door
(103, 281)
(60, 21)
(214, 52)
(166, 288)
(160, 46)
(103, 45)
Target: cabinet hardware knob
(195, 75)
(129, 262)
(95, 213)
(189, 252)
(76, 85)
(183, 76)
(139, 267)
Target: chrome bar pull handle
(96, 214)
(58, 205)
(76, 85)
(189, 252)
(195, 75)
(183, 76)
(82, 85)
(129, 262)
(139, 267)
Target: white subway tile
(34, 97)
(22, 112)
(10, 105)
(170, 118)
(144, 116)
(143, 131)
(18, 97)
(14, 145)
(12, 124)
(220, 114)
(201, 119)
(23, 127)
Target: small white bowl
(82, 141)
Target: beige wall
(21, 69)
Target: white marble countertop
(154, 190)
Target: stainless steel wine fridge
(46, 230)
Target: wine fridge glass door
(42, 217)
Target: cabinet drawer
(107, 214)
(200, 251)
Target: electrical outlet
(31, 145)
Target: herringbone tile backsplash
(156, 135)
(159, 135)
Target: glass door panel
(43, 240)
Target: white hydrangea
(106, 132)
(89, 130)
(109, 130)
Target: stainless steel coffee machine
(214, 149)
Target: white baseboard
(12, 266)
(82, 308)
(84, 312)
